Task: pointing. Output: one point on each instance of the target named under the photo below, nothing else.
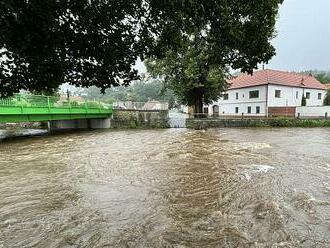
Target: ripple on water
(167, 188)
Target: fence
(150, 105)
(35, 101)
(226, 117)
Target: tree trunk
(198, 103)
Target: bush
(303, 101)
(327, 99)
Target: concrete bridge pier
(99, 123)
(62, 125)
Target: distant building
(268, 93)
(327, 86)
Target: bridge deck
(26, 108)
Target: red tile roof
(327, 86)
(264, 77)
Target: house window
(308, 95)
(319, 96)
(254, 94)
(258, 110)
(225, 96)
(236, 110)
(297, 94)
(249, 110)
(236, 96)
(277, 93)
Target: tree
(96, 43)
(190, 75)
(213, 37)
(303, 100)
(327, 98)
(322, 76)
(46, 43)
(139, 91)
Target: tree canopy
(215, 36)
(46, 43)
(189, 74)
(139, 91)
(327, 98)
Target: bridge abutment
(62, 125)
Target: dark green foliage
(283, 122)
(96, 43)
(303, 101)
(82, 42)
(211, 37)
(190, 76)
(327, 99)
(260, 123)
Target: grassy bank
(278, 122)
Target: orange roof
(327, 86)
(275, 77)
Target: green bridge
(31, 108)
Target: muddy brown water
(167, 188)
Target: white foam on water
(261, 168)
(247, 176)
(251, 146)
(255, 168)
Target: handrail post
(21, 104)
(48, 104)
(69, 105)
(86, 106)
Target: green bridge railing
(26, 107)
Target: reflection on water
(167, 188)
(11, 133)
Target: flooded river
(167, 188)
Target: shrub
(327, 99)
(303, 101)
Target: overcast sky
(303, 40)
(303, 36)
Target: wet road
(167, 188)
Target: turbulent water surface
(167, 188)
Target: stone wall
(140, 119)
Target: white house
(268, 92)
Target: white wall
(227, 107)
(289, 96)
(317, 111)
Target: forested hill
(139, 91)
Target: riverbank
(278, 122)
